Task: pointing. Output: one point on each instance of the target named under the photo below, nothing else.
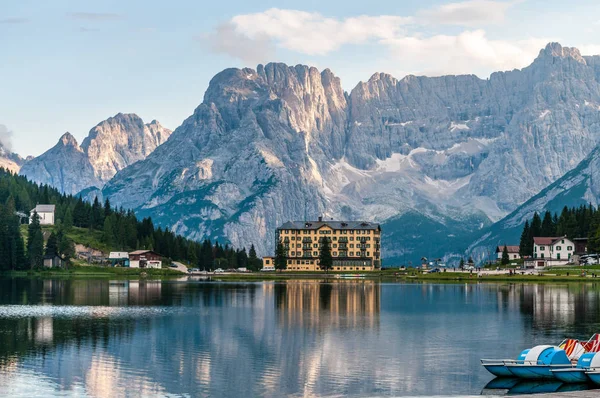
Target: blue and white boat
(594, 371)
(499, 367)
(539, 363)
(577, 374)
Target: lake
(105, 338)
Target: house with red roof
(513, 252)
(552, 251)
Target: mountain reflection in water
(143, 338)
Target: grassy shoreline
(557, 276)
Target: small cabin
(145, 259)
(118, 259)
(45, 213)
(53, 261)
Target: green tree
(108, 235)
(280, 257)
(325, 258)
(548, 228)
(52, 245)
(462, 263)
(505, 258)
(524, 244)
(35, 242)
(68, 219)
(254, 262)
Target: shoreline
(80, 272)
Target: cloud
(466, 53)
(83, 29)
(467, 13)
(6, 137)
(312, 33)
(227, 40)
(93, 16)
(409, 41)
(13, 21)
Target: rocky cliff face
(450, 154)
(110, 147)
(580, 186)
(10, 161)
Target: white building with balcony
(552, 251)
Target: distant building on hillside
(119, 259)
(551, 251)
(513, 252)
(53, 261)
(355, 245)
(145, 259)
(45, 213)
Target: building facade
(551, 251)
(355, 245)
(145, 259)
(513, 252)
(45, 213)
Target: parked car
(219, 271)
(193, 270)
(433, 271)
(173, 266)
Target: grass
(94, 271)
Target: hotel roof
(338, 225)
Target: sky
(66, 65)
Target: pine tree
(68, 219)
(505, 258)
(35, 242)
(325, 258)
(548, 227)
(524, 243)
(536, 225)
(462, 263)
(52, 245)
(280, 257)
(254, 262)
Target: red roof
(511, 249)
(546, 241)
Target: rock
(110, 147)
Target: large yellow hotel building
(355, 245)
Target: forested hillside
(574, 222)
(119, 230)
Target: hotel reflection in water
(351, 304)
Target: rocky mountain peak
(556, 50)
(110, 146)
(67, 140)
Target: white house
(513, 252)
(145, 259)
(549, 251)
(45, 213)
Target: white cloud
(312, 33)
(6, 137)
(589, 49)
(467, 13)
(466, 53)
(226, 39)
(409, 41)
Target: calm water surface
(298, 338)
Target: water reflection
(352, 338)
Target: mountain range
(111, 146)
(439, 161)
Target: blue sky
(67, 65)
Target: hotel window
(542, 248)
(315, 245)
(352, 238)
(557, 247)
(315, 254)
(352, 253)
(335, 253)
(569, 247)
(334, 245)
(267, 262)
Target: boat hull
(534, 372)
(594, 376)
(571, 375)
(497, 369)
